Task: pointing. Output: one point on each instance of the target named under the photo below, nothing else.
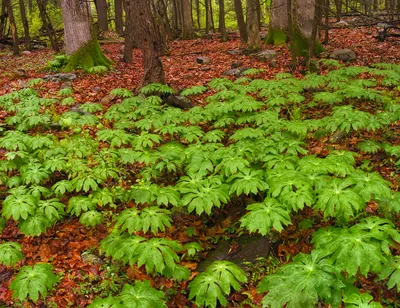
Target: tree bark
(149, 40)
(187, 23)
(253, 28)
(338, 4)
(222, 26)
(101, 8)
(25, 24)
(80, 41)
(13, 27)
(118, 17)
(208, 15)
(240, 20)
(3, 19)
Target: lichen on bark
(88, 56)
(276, 37)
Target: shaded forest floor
(63, 244)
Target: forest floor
(63, 244)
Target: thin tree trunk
(198, 14)
(326, 26)
(3, 19)
(222, 26)
(102, 21)
(47, 25)
(253, 27)
(290, 34)
(212, 16)
(164, 15)
(240, 20)
(129, 40)
(338, 4)
(208, 16)
(25, 24)
(118, 17)
(13, 27)
(315, 27)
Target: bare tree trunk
(253, 27)
(148, 40)
(47, 25)
(208, 15)
(291, 34)
(164, 14)
(13, 26)
(3, 19)
(187, 23)
(101, 8)
(278, 24)
(25, 24)
(118, 17)
(326, 26)
(80, 41)
(338, 4)
(240, 20)
(198, 14)
(222, 26)
(315, 27)
(129, 40)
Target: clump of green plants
(57, 63)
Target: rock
(237, 72)
(22, 84)
(67, 84)
(179, 101)
(265, 55)
(273, 63)
(26, 53)
(107, 99)
(60, 77)
(245, 248)
(236, 64)
(206, 68)
(234, 52)
(91, 259)
(96, 89)
(343, 55)
(324, 55)
(203, 60)
(17, 74)
(341, 23)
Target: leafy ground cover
(114, 204)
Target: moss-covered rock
(88, 56)
(276, 37)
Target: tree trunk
(25, 24)
(278, 25)
(338, 4)
(315, 27)
(129, 40)
(221, 23)
(3, 19)
(326, 25)
(289, 13)
(13, 27)
(187, 23)
(164, 14)
(149, 41)
(102, 21)
(240, 20)
(253, 27)
(80, 42)
(118, 17)
(198, 14)
(47, 25)
(208, 15)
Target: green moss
(88, 56)
(302, 44)
(276, 37)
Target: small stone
(22, 84)
(341, 23)
(60, 77)
(265, 55)
(236, 64)
(179, 101)
(234, 52)
(237, 72)
(96, 89)
(343, 55)
(203, 60)
(67, 84)
(324, 55)
(26, 53)
(273, 63)
(91, 259)
(206, 68)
